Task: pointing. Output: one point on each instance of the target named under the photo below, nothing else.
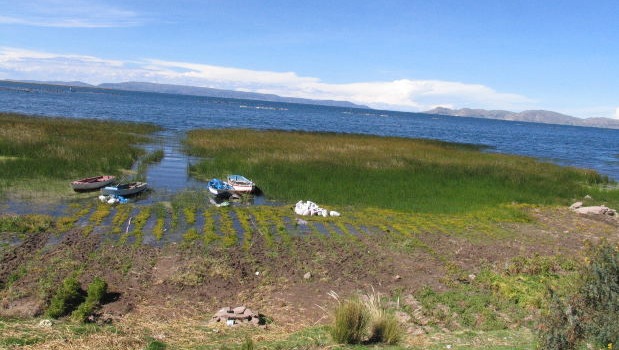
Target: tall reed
(385, 172)
(38, 152)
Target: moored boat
(241, 183)
(92, 183)
(125, 189)
(218, 187)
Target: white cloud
(68, 14)
(403, 94)
(617, 113)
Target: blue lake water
(592, 148)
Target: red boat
(92, 183)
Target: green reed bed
(138, 222)
(121, 218)
(210, 227)
(39, 154)
(161, 211)
(387, 172)
(244, 218)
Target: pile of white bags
(311, 208)
(113, 199)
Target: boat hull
(241, 184)
(125, 190)
(92, 183)
(218, 187)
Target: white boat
(218, 187)
(125, 189)
(241, 183)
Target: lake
(583, 147)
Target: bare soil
(189, 283)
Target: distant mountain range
(200, 91)
(536, 116)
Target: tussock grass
(364, 319)
(386, 172)
(351, 322)
(38, 154)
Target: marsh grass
(41, 155)
(386, 172)
(26, 223)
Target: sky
(407, 55)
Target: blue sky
(403, 55)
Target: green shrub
(590, 314)
(600, 293)
(95, 293)
(351, 322)
(67, 297)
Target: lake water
(592, 148)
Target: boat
(125, 189)
(92, 183)
(241, 183)
(218, 187)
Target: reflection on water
(171, 174)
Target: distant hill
(65, 83)
(536, 116)
(209, 92)
(199, 91)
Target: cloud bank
(67, 14)
(402, 94)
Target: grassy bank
(40, 154)
(393, 173)
(467, 269)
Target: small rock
(576, 205)
(472, 276)
(45, 323)
(397, 277)
(588, 197)
(257, 273)
(307, 275)
(239, 309)
(598, 210)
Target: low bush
(66, 298)
(95, 293)
(590, 314)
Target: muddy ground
(288, 284)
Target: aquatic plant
(386, 172)
(40, 155)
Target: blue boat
(217, 187)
